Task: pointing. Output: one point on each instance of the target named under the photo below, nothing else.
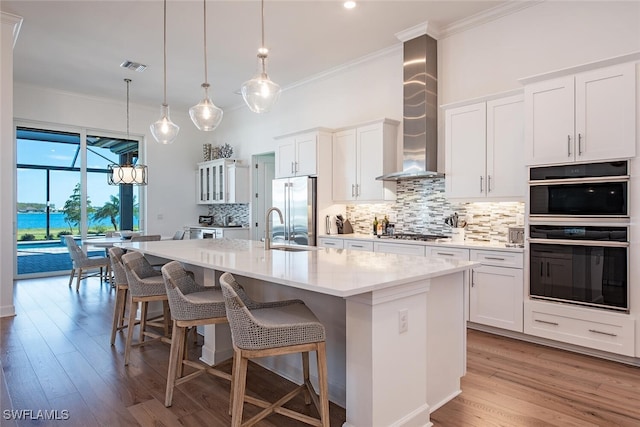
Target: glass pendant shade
(206, 115)
(164, 130)
(127, 174)
(260, 93)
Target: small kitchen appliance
(516, 237)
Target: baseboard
(7, 310)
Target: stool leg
(233, 380)
(130, 326)
(177, 337)
(182, 350)
(305, 375)
(323, 383)
(78, 279)
(166, 317)
(122, 318)
(240, 382)
(117, 313)
(143, 320)
(73, 273)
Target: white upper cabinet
(588, 116)
(297, 155)
(359, 155)
(484, 145)
(222, 181)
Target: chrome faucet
(267, 238)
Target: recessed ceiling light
(134, 66)
(349, 4)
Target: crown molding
(418, 30)
(487, 16)
(15, 20)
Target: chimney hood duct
(420, 115)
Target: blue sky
(31, 184)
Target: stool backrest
(75, 251)
(137, 269)
(179, 235)
(115, 256)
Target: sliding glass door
(62, 189)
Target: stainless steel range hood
(420, 115)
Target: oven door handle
(569, 242)
(596, 180)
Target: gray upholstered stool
(271, 329)
(191, 305)
(145, 285)
(122, 287)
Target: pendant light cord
(262, 20)
(128, 81)
(165, 53)
(205, 41)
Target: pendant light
(164, 130)
(128, 173)
(205, 115)
(260, 93)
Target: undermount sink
(292, 248)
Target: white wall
(552, 35)
(171, 168)
(8, 24)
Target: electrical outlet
(403, 321)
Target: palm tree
(109, 210)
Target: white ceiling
(78, 45)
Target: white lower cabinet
(358, 245)
(328, 242)
(399, 248)
(587, 327)
(496, 289)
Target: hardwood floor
(55, 356)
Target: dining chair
(83, 263)
(179, 235)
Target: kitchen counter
(395, 323)
(468, 244)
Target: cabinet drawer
(591, 328)
(331, 243)
(398, 248)
(497, 258)
(358, 245)
(444, 252)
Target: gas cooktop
(412, 236)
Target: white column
(9, 28)
(397, 378)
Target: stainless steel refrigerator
(296, 198)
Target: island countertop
(337, 272)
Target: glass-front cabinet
(222, 181)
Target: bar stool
(271, 329)
(145, 285)
(122, 288)
(191, 305)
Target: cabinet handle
(296, 167)
(495, 258)
(357, 189)
(547, 268)
(329, 244)
(473, 278)
(444, 254)
(357, 246)
(546, 322)
(353, 190)
(292, 167)
(568, 145)
(609, 334)
(481, 187)
(579, 144)
(541, 268)
(488, 183)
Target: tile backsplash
(421, 207)
(238, 211)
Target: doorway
(263, 174)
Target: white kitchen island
(395, 323)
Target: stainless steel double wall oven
(579, 234)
